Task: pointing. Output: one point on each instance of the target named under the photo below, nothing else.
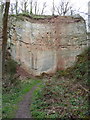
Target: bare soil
(24, 106)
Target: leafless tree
(12, 9)
(53, 8)
(43, 8)
(31, 7)
(4, 42)
(64, 7)
(16, 7)
(2, 5)
(24, 5)
(36, 7)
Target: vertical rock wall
(45, 46)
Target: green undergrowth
(80, 70)
(33, 16)
(37, 97)
(65, 95)
(13, 89)
(10, 75)
(14, 96)
(0, 99)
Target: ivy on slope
(65, 95)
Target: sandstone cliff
(47, 45)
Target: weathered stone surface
(45, 46)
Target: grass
(59, 99)
(0, 99)
(65, 95)
(36, 102)
(33, 16)
(13, 89)
(15, 95)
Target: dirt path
(24, 105)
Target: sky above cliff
(82, 4)
(79, 6)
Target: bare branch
(44, 6)
(63, 8)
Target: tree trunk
(31, 7)
(53, 9)
(4, 42)
(25, 7)
(16, 7)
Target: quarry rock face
(47, 45)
